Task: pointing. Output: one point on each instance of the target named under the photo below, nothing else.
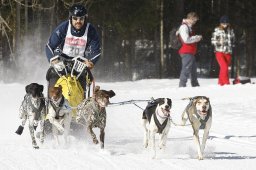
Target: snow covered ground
(231, 144)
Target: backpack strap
(178, 35)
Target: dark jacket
(57, 39)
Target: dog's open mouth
(165, 111)
(203, 112)
(102, 104)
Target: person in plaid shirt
(223, 39)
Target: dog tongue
(203, 112)
(164, 110)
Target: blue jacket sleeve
(93, 50)
(56, 39)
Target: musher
(73, 37)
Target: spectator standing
(223, 39)
(188, 50)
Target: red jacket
(188, 48)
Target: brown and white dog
(59, 114)
(156, 119)
(199, 113)
(92, 113)
(33, 109)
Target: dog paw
(36, 147)
(161, 147)
(183, 122)
(200, 157)
(95, 141)
(61, 131)
(101, 145)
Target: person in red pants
(223, 39)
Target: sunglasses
(78, 18)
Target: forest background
(135, 36)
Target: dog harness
(57, 108)
(202, 121)
(160, 126)
(90, 112)
(35, 110)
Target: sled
(69, 70)
(241, 80)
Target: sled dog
(92, 113)
(156, 119)
(59, 114)
(33, 109)
(199, 113)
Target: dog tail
(187, 98)
(20, 130)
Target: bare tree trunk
(58, 10)
(1, 50)
(4, 54)
(238, 65)
(249, 51)
(52, 17)
(26, 18)
(227, 6)
(1, 41)
(162, 65)
(128, 58)
(156, 52)
(156, 42)
(17, 33)
(178, 14)
(39, 37)
(212, 6)
(179, 10)
(102, 41)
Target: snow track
(231, 143)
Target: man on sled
(74, 37)
(72, 50)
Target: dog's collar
(57, 102)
